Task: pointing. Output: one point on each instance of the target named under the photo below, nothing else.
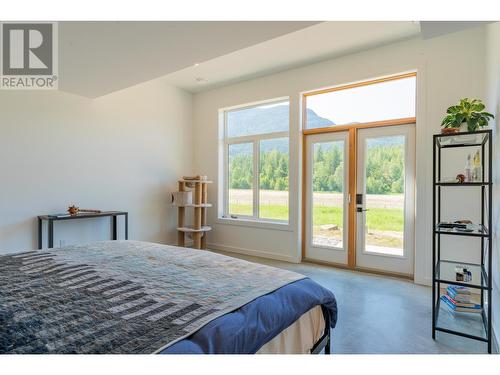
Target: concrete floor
(378, 315)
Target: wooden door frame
(353, 151)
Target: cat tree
(189, 186)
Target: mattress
(300, 337)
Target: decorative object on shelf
(459, 276)
(74, 210)
(184, 198)
(468, 111)
(460, 178)
(463, 273)
(476, 170)
(468, 169)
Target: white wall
(493, 79)
(123, 151)
(445, 74)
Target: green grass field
(383, 219)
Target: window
(382, 99)
(256, 162)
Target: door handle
(360, 209)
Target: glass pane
(328, 194)
(273, 170)
(384, 184)
(262, 119)
(240, 179)
(377, 102)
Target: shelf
(445, 273)
(202, 205)
(197, 181)
(481, 231)
(466, 139)
(465, 324)
(462, 183)
(190, 229)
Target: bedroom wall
(445, 74)
(122, 151)
(493, 79)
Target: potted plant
(468, 111)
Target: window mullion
(226, 170)
(256, 157)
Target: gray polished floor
(379, 314)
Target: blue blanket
(248, 328)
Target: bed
(137, 297)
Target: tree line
(384, 170)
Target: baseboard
(495, 342)
(422, 281)
(253, 252)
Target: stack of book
(458, 298)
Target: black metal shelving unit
(472, 326)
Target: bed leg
(327, 346)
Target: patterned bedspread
(121, 296)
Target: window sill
(263, 224)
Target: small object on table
(74, 210)
(460, 178)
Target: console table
(51, 218)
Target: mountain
(266, 120)
(276, 119)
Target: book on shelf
(457, 289)
(476, 309)
(458, 303)
(459, 294)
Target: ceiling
(97, 58)
(292, 50)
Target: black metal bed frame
(485, 284)
(324, 341)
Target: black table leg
(115, 228)
(40, 233)
(51, 234)
(126, 226)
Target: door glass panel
(240, 160)
(328, 194)
(384, 195)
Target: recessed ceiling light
(196, 64)
(201, 81)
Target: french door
(385, 204)
(327, 197)
(368, 222)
